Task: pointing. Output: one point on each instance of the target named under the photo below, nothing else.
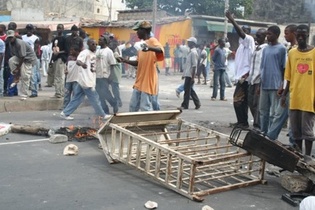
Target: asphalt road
(36, 175)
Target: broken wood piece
(30, 129)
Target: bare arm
(238, 29)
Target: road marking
(23, 142)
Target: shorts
(302, 124)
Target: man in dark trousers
(189, 75)
(242, 66)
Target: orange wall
(173, 33)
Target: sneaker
(63, 116)
(106, 117)
(177, 93)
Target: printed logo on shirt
(303, 68)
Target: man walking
(189, 75)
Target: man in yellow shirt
(146, 83)
(299, 73)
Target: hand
(15, 71)
(84, 66)
(280, 91)
(229, 15)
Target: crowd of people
(275, 83)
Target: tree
(197, 7)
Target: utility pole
(226, 7)
(110, 11)
(154, 16)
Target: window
(98, 10)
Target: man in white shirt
(86, 84)
(32, 40)
(104, 61)
(242, 66)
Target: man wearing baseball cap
(146, 83)
(189, 73)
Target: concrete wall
(27, 14)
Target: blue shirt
(219, 58)
(272, 66)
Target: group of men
(276, 83)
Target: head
(92, 44)
(192, 42)
(60, 29)
(11, 36)
(166, 44)
(302, 34)
(261, 36)
(74, 30)
(2, 28)
(12, 26)
(143, 29)
(273, 33)
(74, 50)
(82, 33)
(221, 43)
(29, 29)
(246, 29)
(289, 33)
(183, 42)
(103, 41)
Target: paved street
(35, 174)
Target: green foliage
(196, 7)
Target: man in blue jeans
(282, 113)
(219, 59)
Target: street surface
(36, 175)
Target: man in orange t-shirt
(146, 83)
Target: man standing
(272, 71)
(189, 75)
(299, 73)
(59, 59)
(22, 62)
(168, 62)
(242, 66)
(31, 39)
(202, 63)
(282, 112)
(146, 83)
(254, 77)
(219, 58)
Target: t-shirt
(2, 50)
(147, 78)
(21, 49)
(73, 71)
(184, 49)
(300, 72)
(104, 59)
(87, 77)
(46, 52)
(61, 43)
(30, 40)
(243, 56)
(272, 66)
(219, 58)
(203, 57)
(3, 37)
(191, 61)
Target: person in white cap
(189, 73)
